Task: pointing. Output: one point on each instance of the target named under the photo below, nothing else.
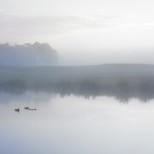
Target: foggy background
(88, 109)
(83, 31)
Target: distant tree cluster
(37, 54)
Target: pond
(75, 125)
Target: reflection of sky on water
(75, 125)
(24, 98)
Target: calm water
(75, 125)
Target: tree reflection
(123, 90)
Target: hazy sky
(83, 31)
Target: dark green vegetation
(123, 81)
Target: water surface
(75, 125)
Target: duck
(17, 110)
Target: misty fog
(76, 77)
